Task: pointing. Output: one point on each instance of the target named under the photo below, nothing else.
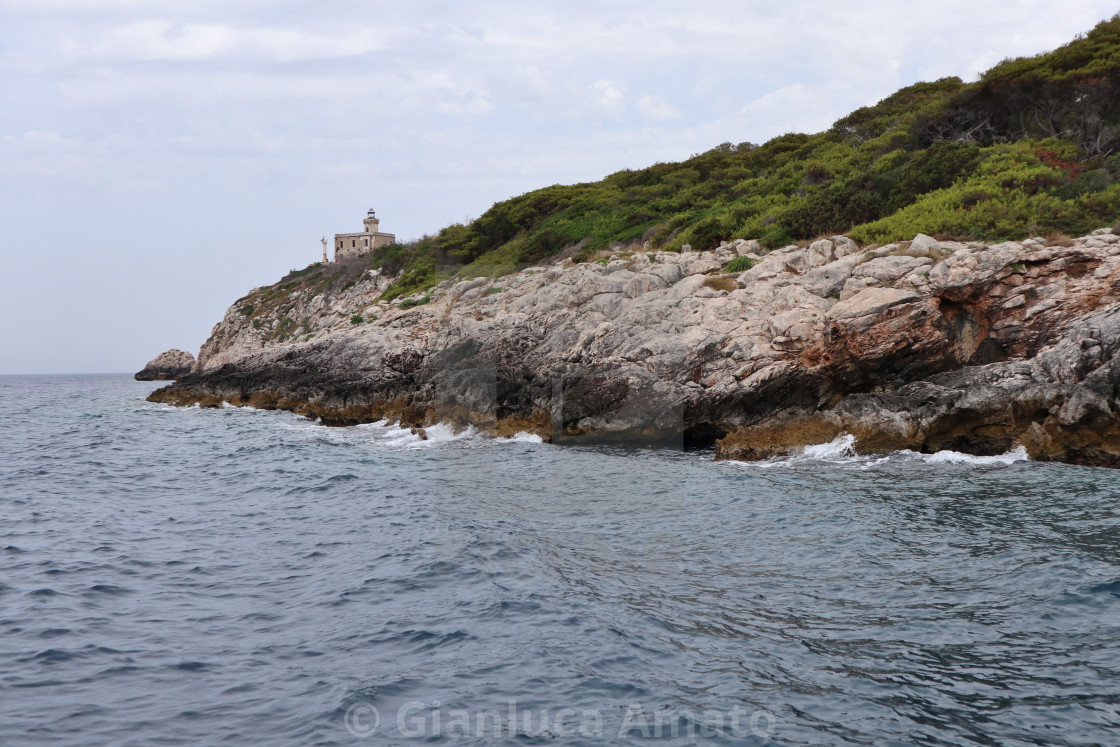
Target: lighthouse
(348, 245)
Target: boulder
(871, 302)
(815, 255)
(798, 324)
(464, 286)
(748, 247)
(843, 246)
(923, 243)
(819, 253)
(669, 273)
(886, 270)
(700, 264)
(828, 281)
(168, 366)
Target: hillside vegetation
(1032, 147)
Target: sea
(235, 576)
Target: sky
(158, 160)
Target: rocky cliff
(923, 345)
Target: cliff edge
(923, 345)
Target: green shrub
(284, 329)
(247, 309)
(409, 303)
(420, 276)
(739, 264)
(357, 319)
(493, 291)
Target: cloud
(798, 102)
(37, 153)
(41, 7)
(607, 97)
(657, 109)
(162, 40)
(449, 93)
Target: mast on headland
(324, 240)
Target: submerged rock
(171, 365)
(923, 345)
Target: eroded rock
(167, 366)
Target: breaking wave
(842, 451)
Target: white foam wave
(442, 433)
(382, 433)
(521, 437)
(391, 435)
(1018, 454)
(841, 451)
(366, 426)
(840, 447)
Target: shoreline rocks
(167, 366)
(923, 345)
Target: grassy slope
(1033, 147)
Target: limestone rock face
(923, 345)
(169, 366)
(870, 302)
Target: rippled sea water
(180, 576)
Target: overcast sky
(158, 159)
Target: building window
(353, 242)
